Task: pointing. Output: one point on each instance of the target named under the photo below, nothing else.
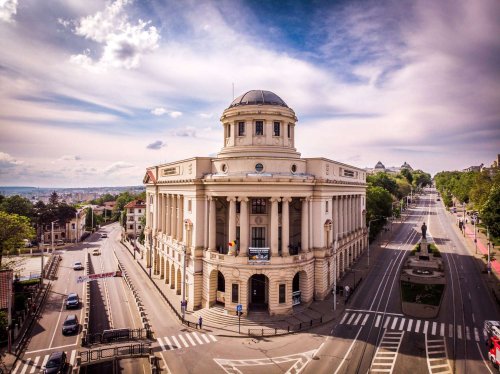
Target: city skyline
(94, 92)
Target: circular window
(224, 168)
(259, 167)
(294, 168)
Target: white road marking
(459, 331)
(426, 325)
(442, 329)
(394, 323)
(417, 326)
(450, 331)
(467, 332)
(35, 363)
(205, 338)
(350, 319)
(476, 334)
(364, 321)
(437, 348)
(377, 322)
(161, 344)
(357, 319)
(386, 322)
(183, 341)
(195, 334)
(188, 336)
(348, 351)
(401, 325)
(343, 318)
(410, 322)
(387, 352)
(213, 338)
(169, 344)
(176, 342)
(73, 356)
(434, 324)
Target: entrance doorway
(259, 285)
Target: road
(106, 295)
(372, 333)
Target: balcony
(258, 256)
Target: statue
(424, 230)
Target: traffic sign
(239, 308)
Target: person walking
(200, 322)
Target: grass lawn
(432, 249)
(429, 294)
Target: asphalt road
(356, 342)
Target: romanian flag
(233, 243)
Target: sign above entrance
(257, 255)
(91, 277)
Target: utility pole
(183, 308)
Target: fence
(290, 328)
(108, 353)
(110, 336)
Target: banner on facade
(91, 277)
(258, 254)
(5, 287)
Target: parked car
(59, 242)
(56, 363)
(104, 235)
(77, 266)
(70, 325)
(96, 252)
(72, 301)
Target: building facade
(135, 210)
(258, 225)
(70, 232)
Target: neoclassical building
(258, 225)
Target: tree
(490, 212)
(407, 174)
(383, 180)
(17, 205)
(13, 230)
(404, 188)
(65, 213)
(54, 198)
(378, 206)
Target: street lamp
(183, 305)
(135, 238)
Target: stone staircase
(218, 316)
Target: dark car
(104, 235)
(70, 325)
(72, 301)
(56, 363)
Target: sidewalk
(479, 251)
(227, 325)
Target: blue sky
(92, 92)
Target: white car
(77, 266)
(96, 252)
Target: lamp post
(475, 237)
(150, 252)
(489, 244)
(76, 227)
(135, 238)
(183, 307)
(52, 234)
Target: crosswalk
(189, 339)
(387, 352)
(35, 364)
(437, 357)
(400, 323)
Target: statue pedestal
(424, 249)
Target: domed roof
(258, 97)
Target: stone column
(244, 227)
(351, 212)
(341, 216)
(180, 232)
(173, 218)
(167, 215)
(274, 226)
(285, 226)
(304, 228)
(178, 235)
(211, 225)
(232, 223)
(358, 212)
(155, 213)
(335, 207)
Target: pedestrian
(200, 322)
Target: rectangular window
(131, 227)
(259, 127)
(235, 293)
(282, 294)
(73, 226)
(289, 131)
(238, 206)
(276, 129)
(258, 237)
(241, 128)
(326, 207)
(258, 206)
(140, 211)
(228, 131)
(348, 173)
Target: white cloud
(7, 160)
(117, 166)
(8, 8)
(159, 111)
(175, 114)
(124, 42)
(206, 115)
